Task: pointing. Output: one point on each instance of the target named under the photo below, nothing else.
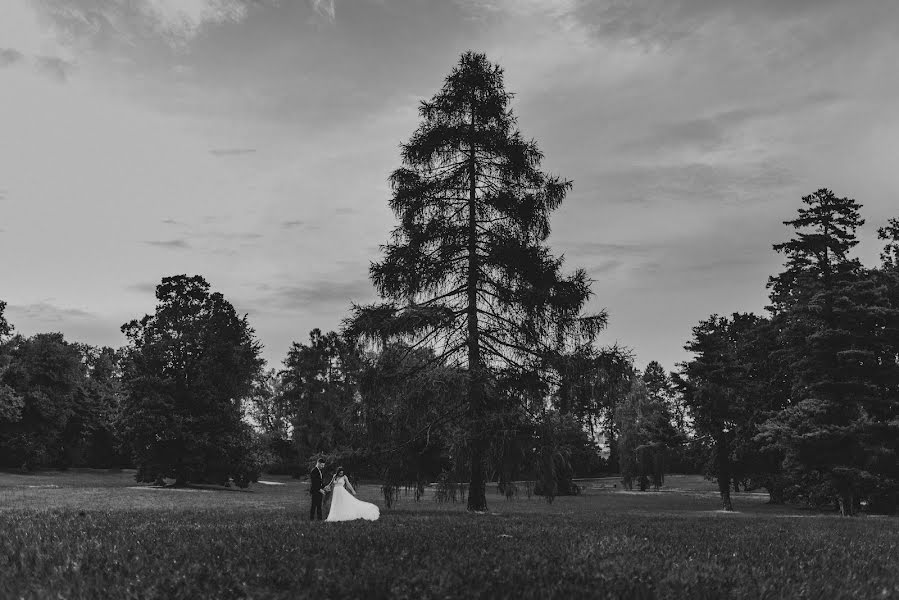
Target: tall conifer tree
(467, 270)
(833, 314)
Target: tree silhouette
(318, 388)
(467, 271)
(187, 370)
(40, 395)
(5, 328)
(713, 386)
(839, 429)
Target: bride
(344, 505)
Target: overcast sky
(250, 141)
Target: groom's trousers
(316, 507)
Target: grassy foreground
(258, 544)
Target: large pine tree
(467, 270)
(835, 430)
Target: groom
(316, 489)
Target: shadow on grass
(197, 487)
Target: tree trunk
(613, 452)
(847, 505)
(477, 493)
(725, 500)
(776, 492)
(724, 471)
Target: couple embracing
(344, 505)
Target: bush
(883, 502)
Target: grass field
(90, 534)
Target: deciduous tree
(318, 389)
(713, 386)
(42, 384)
(187, 370)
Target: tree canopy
(187, 369)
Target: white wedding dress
(345, 506)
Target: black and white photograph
(449, 299)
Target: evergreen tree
(886, 498)
(467, 271)
(889, 256)
(834, 314)
(187, 369)
(661, 419)
(765, 390)
(714, 389)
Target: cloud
(217, 240)
(606, 266)
(180, 20)
(131, 22)
(661, 23)
(10, 56)
(142, 288)
(174, 244)
(715, 263)
(298, 223)
(316, 295)
(45, 311)
(231, 151)
(707, 133)
(230, 243)
(642, 21)
(324, 8)
(521, 8)
(582, 249)
(692, 183)
(238, 235)
(56, 67)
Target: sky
(250, 141)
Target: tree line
(479, 363)
(804, 401)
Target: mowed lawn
(93, 534)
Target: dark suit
(316, 485)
